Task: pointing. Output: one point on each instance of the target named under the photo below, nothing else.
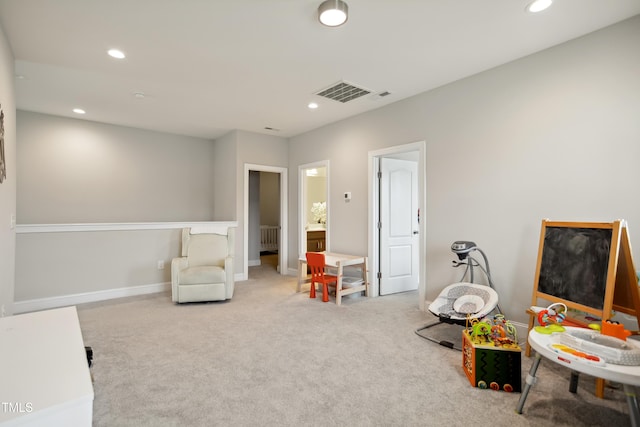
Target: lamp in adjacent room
(333, 13)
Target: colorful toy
(480, 331)
(615, 329)
(496, 332)
(550, 319)
(491, 366)
(569, 353)
(607, 348)
(491, 354)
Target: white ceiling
(211, 66)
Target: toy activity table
(628, 376)
(339, 261)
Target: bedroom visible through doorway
(265, 217)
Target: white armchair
(205, 270)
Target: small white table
(44, 373)
(628, 376)
(339, 261)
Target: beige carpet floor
(274, 357)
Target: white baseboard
(75, 299)
(254, 262)
(85, 297)
(119, 226)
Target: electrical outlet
(161, 265)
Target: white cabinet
(45, 378)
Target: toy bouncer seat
(454, 305)
(459, 300)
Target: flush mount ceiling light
(312, 105)
(538, 5)
(79, 111)
(115, 53)
(333, 13)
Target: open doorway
(313, 209)
(397, 241)
(265, 217)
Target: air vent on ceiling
(343, 92)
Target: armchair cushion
(202, 274)
(207, 250)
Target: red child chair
(315, 261)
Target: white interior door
(399, 240)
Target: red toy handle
(542, 317)
(552, 315)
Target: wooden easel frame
(621, 289)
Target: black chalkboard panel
(574, 265)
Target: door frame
(302, 213)
(374, 241)
(283, 251)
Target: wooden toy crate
(490, 366)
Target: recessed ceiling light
(538, 5)
(79, 111)
(312, 105)
(115, 53)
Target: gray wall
(553, 135)
(78, 171)
(72, 263)
(225, 187)
(257, 149)
(231, 153)
(8, 186)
